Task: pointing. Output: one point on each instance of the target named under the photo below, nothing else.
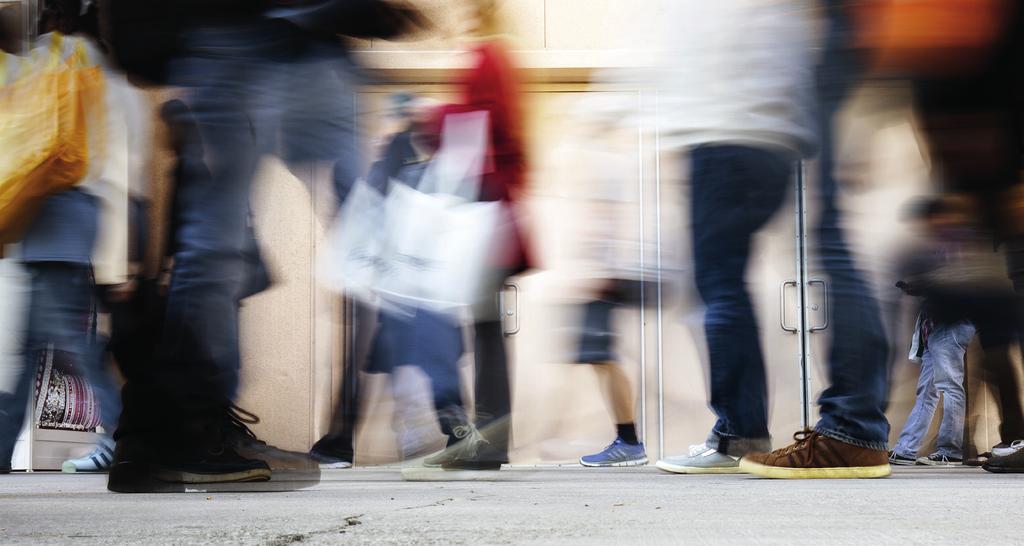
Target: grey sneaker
(469, 443)
(701, 460)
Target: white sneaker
(98, 460)
(701, 460)
(1014, 447)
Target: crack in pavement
(435, 503)
(292, 538)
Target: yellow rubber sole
(843, 472)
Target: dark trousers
(853, 407)
(59, 315)
(736, 190)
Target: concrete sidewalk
(530, 506)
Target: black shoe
(139, 468)
(935, 459)
(286, 465)
(900, 460)
(329, 460)
(1010, 464)
(198, 451)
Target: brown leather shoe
(816, 456)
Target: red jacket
(492, 84)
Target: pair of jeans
(942, 371)
(853, 407)
(253, 88)
(59, 311)
(735, 191)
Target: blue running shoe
(618, 453)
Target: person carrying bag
(45, 115)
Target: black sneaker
(935, 459)
(286, 465)
(897, 459)
(140, 468)
(329, 461)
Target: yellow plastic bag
(45, 115)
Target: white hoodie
(121, 172)
(738, 71)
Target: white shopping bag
(352, 258)
(439, 249)
(440, 240)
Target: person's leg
(596, 340)
(618, 390)
(948, 346)
(853, 406)
(58, 315)
(493, 394)
(920, 418)
(435, 345)
(735, 190)
(178, 409)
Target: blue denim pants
(853, 407)
(735, 191)
(253, 89)
(942, 371)
(60, 304)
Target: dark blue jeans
(735, 191)
(60, 304)
(853, 407)
(253, 89)
(432, 342)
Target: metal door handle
(510, 313)
(825, 309)
(782, 307)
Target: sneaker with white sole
(329, 461)
(1003, 450)
(465, 443)
(618, 453)
(701, 460)
(900, 460)
(98, 460)
(937, 459)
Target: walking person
(239, 65)
(79, 242)
(742, 99)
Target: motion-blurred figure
(241, 66)
(970, 96)
(939, 344)
(80, 241)
(492, 85)
(595, 347)
(741, 97)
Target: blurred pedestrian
(741, 98)
(240, 65)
